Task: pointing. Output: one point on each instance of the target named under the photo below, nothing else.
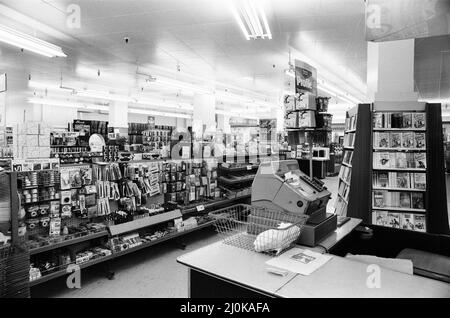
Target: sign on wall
(305, 78)
(388, 20)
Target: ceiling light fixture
(163, 103)
(105, 96)
(157, 113)
(251, 18)
(29, 43)
(68, 104)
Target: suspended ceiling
(201, 37)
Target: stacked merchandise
(399, 170)
(57, 205)
(87, 128)
(187, 182)
(106, 178)
(346, 168)
(135, 133)
(6, 143)
(158, 139)
(31, 140)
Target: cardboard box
(44, 141)
(32, 128)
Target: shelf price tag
(200, 208)
(249, 167)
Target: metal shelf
(63, 272)
(411, 210)
(399, 189)
(74, 241)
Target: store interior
(135, 136)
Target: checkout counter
(221, 270)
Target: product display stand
(397, 177)
(356, 168)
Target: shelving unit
(236, 179)
(388, 187)
(354, 118)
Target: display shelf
(211, 205)
(399, 189)
(63, 272)
(163, 239)
(143, 222)
(348, 147)
(400, 149)
(39, 202)
(401, 169)
(236, 181)
(411, 210)
(346, 164)
(400, 129)
(350, 131)
(346, 182)
(425, 119)
(39, 186)
(340, 195)
(74, 241)
(239, 169)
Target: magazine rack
(394, 184)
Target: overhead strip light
(164, 104)
(105, 96)
(157, 113)
(251, 18)
(68, 104)
(29, 43)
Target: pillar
(118, 118)
(390, 71)
(204, 113)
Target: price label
(200, 208)
(249, 167)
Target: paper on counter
(299, 261)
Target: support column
(118, 118)
(390, 71)
(204, 113)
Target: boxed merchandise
(289, 103)
(306, 119)
(32, 128)
(291, 120)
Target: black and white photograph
(220, 157)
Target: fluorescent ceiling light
(29, 43)
(105, 96)
(157, 113)
(251, 18)
(162, 103)
(61, 103)
(180, 85)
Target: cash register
(280, 185)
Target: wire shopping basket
(258, 229)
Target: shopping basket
(258, 229)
